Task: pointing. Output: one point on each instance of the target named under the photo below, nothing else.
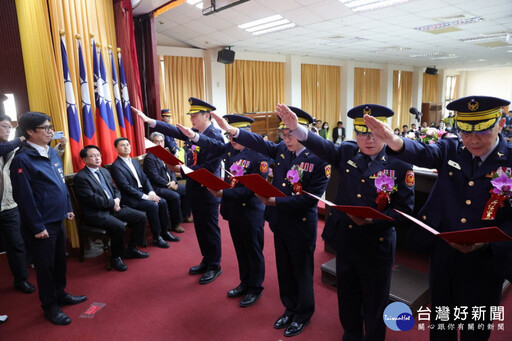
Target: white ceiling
(318, 21)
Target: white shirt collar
(43, 151)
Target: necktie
(475, 164)
(104, 184)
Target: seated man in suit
(165, 184)
(100, 202)
(138, 193)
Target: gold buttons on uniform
(463, 220)
(468, 202)
(450, 173)
(381, 239)
(471, 183)
(347, 170)
(303, 219)
(350, 226)
(424, 217)
(363, 180)
(244, 204)
(358, 195)
(284, 185)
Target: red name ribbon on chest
(502, 187)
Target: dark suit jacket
(127, 183)
(157, 171)
(94, 204)
(335, 134)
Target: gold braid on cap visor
(301, 120)
(477, 121)
(198, 108)
(241, 125)
(469, 127)
(360, 127)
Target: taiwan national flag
(102, 121)
(87, 118)
(108, 100)
(117, 97)
(75, 135)
(128, 121)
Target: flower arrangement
(195, 149)
(385, 186)
(236, 170)
(501, 191)
(294, 176)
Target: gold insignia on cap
(367, 111)
(473, 105)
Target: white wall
(493, 82)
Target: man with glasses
(39, 189)
(292, 218)
(100, 203)
(365, 247)
(472, 190)
(9, 215)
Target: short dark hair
(4, 117)
(31, 120)
(119, 139)
(83, 152)
(339, 122)
(405, 126)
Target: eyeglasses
(285, 136)
(477, 133)
(367, 135)
(46, 128)
(6, 127)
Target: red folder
(164, 155)
(358, 211)
(479, 235)
(206, 178)
(259, 185)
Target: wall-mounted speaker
(226, 56)
(431, 71)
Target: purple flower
(292, 176)
(502, 184)
(384, 183)
(236, 169)
(195, 148)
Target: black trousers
(10, 232)
(173, 204)
(157, 215)
(186, 209)
(248, 242)
(116, 225)
(206, 224)
(295, 264)
(50, 264)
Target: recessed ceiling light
(261, 21)
(275, 29)
(447, 24)
(342, 40)
(369, 5)
(194, 2)
(392, 50)
(486, 37)
(266, 25)
(429, 54)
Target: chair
(86, 231)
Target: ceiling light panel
(369, 5)
(444, 25)
(267, 25)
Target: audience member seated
(100, 203)
(137, 193)
(165, 184)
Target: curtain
(402, 98)
(320, 92)
(429, 89)
(254, 86)
(366, 86)
(183, 77)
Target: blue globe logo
(398, 317)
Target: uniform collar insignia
(352, 163)
(306, 153)
(463, 147)
(282, 156)
(229, 153)
(383, 158)
(500, 154)
(454, 164)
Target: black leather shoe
(239, 291)
(24, 287)
(166, 235)
(249, 299)
(282, 322)
(198, 269)
(118, 264)
(210, 275)
(135, 253)
(160, 243)
(295, 328)
(56, 316)
(69, 299)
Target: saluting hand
(224, 125)
(288, 117)
(383, 132)
(186, 131)
(142, 115)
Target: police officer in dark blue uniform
(169, 141)
(466, 195)
(240, 207)
(205, 206)
(365, 248)
(293, 218)
(39, 189)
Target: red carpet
(156, 299)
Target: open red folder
(358, 211)
(206, 178)
(164, 155)
(479, 235)
(259, 185)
